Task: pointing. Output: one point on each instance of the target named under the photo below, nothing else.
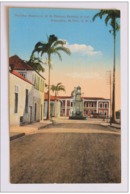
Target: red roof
(94, 98)
(18, 64)
(70, 97)
(14, 72)
(87, 98)
(64, 97)
(52, 98)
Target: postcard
(66, 119)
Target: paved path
(67, 152)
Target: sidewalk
(19, 131)
(116, 126)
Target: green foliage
(111, 17)
(53, 46)
(36, 64)
(57, 88)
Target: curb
(42, 127)
(116, 127)
(16, 136)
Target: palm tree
(56, 89)
(36, 63)
(53, 46)
(111, 16)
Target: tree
(53, 46)
(56, 89)
(36, 63)
(111, 17)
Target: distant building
(54, 106)
(26, 92)
(66, 106)
(92, 106)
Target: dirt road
(67, 153)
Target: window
(100, 105)
(23, 74)
(16, 100)
(26, 101)
(37, 83)
(68, 103)
(106, 106)
(41, 86)
(38, 87)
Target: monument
(78, 107)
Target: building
(92, 106)
(54, 106)
(66, 106)
(26, 92)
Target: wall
(22, 86)
(35, 101)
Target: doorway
(30, 113)
(35, 112)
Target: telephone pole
(109, 83)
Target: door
(30, 113)
(35, 112)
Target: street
(67, 152)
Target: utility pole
(109, 83)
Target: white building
(92, 106)
(54, 106)
(26, 89)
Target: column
(65, 108)
(97, 107)
(109, 106)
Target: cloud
(83, 49)
(84, 75)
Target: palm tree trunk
(48, 109)
(113, 92)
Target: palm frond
(107, 19)
(64, 49)
(61, 88)
(95, 16)
(111, 15)
(59, 42)
(53, 88)
(54, 51)
(59, 84)
(36, 63)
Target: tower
(77, 112)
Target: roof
(14, 72)
(70, 97)
(60, 97)
(18, 64)
(94, 98)
(86, 98)
(52, 98)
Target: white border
(5, 185)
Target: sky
(90, 43)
